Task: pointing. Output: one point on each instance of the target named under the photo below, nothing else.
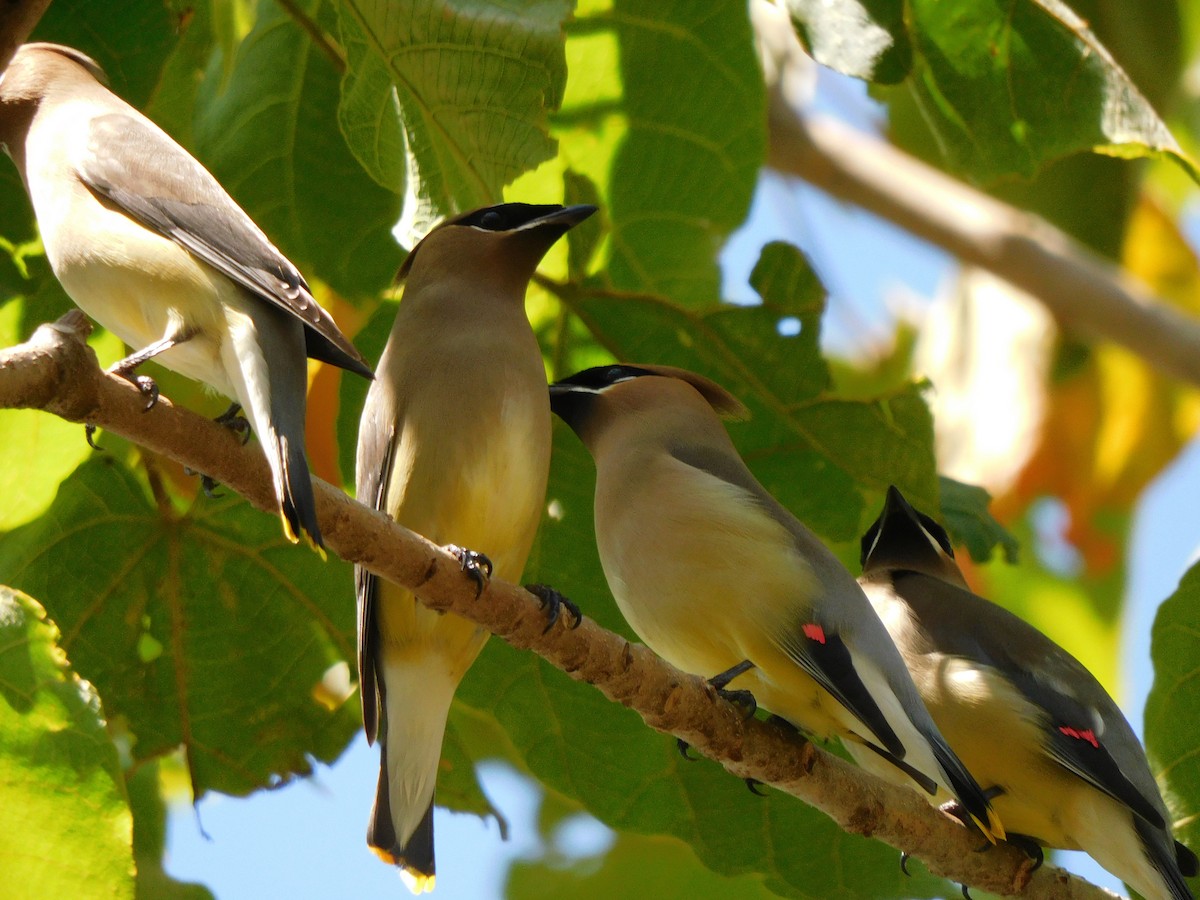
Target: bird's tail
(1167, 857)
(966, 790)
(266, 362)
(416, 703)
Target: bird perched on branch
(454, 443)
(148, 244)
(1039, 732)
(720, 580)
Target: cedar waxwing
(148, 244)
(720, 580)
(454, 443)
(1037, 730)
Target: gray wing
(822, 653)
(376, 447)
(1083, 729)
(153, 180)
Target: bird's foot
(720, 682)
(146, 385)
(741, 698)
(1030, 847)
(553, 604)
(475, 566)
(233, 419)
(208, 484)
(959, 813)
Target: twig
(57, 371)
(17, 20)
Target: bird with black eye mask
(454, 443)
(1034, 726)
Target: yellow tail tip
(292, 537)
(287, 529)
(994, 829)
(417, 882)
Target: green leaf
(130, 40)
(1172, 724)
(173, 102)
(636, 866)
(474, 81)
(678, 176)
(1009, 86)
(1005, 86)
(186, 626)
(67, 826)
(862, 38)
(269, 133)
(965, 511)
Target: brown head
(36, 71)
(663, 398)
(506, 241)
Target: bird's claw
(904, 857)
(233, 419)
(1029, 847)
(741, 698)
(146, 386)
(752, 784)
(475, 566)
(208, 484)
(89, 433)
(683, 747)
(553, 604)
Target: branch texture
(56, 371)
(1086, 293)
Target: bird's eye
(491, 220)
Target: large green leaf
(678, 175)
(269, 132)
(1040, 63)
(636, 866)
(211, 631)
(1173, 708)
(67, 827)
(474, 82)
(1005, 86)
(130, 40)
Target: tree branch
(17, 20)
(1085, 292)
(57, 372)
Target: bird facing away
(454, 443)
(149, 245)
(1032, 724)
(718, 578)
